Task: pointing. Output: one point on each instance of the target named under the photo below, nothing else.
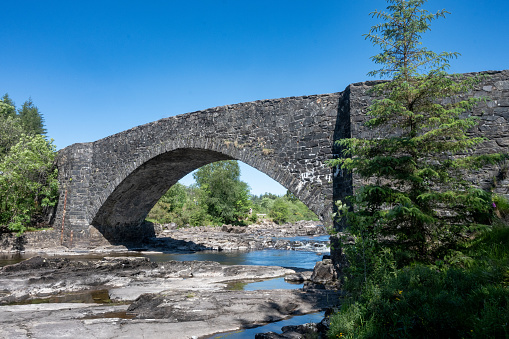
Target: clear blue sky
(95, 68)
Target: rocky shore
(265, 235)
(240, 238)
(129, 296)
(126, 297)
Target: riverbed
(253, 276)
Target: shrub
(28, 182)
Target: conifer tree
(7, 108)
(31, 118)
(418, 200)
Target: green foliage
(180, 204)
(7, 107)
(28, 181)
(219, 197)
(31, 119)
(27, 175)
(10, 133)
(445, 301)
(27, 120)
(225, 196)
(187, 206)
(425, 260)
(280, 211)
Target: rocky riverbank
(240, 238)
(169, 238)
(125, 297)
(128, 297)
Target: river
(304, 258)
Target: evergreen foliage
(426, 253)
(31, 119)
(418, 200)
(7, 107)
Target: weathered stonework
(108, 186)
(114, 182)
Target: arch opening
(120, 218)
(228, 193)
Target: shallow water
(284, 258)
(269, 284)
(272, 327)
(305, 258)
(317, 238)
(302, 259)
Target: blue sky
(95, 68)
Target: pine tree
(7, 107)
(418, 200)
(31, 119)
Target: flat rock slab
(242, 307)
(177, 314)
(125, 277)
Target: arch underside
(135, 196)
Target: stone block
(502, 85)
(502, 142)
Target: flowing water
(284, 258)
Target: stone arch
(289, 139)
(112, 183)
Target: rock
(292, 332)
(299, 276)
(236, 307)
(323, 272)
(233, 229)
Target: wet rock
(240, 307)
(241, 238)
(305, 331)
(324, 276)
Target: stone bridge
(107, 187)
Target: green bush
(446, 300)
(280, 211)
(28, 182)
